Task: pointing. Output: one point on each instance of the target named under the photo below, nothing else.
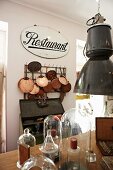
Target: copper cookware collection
(53, 79)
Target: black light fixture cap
(99, 41)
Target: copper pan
(35, 89)
(40, 93)
(26, 85)
(55, 80)
(56, 83)
(62, 78)
(42, 81)
(48, 88)
(51, 74)
(66, 88)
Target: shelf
(33, 123)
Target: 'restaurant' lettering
(33, 41)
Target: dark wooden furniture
(33, 113)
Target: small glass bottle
(49, 148)
(53, 123)
(25, 141)
(73, 158)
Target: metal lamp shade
(96, 77)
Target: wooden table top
(8, 160)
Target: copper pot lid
(34, 66)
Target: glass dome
(78, 122)
(39, 162)
(53, 122)
(27, 138)
(74, 124)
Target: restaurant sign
(44, 42)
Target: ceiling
(77, 11)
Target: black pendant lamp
(96, 76)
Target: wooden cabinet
(33, 113)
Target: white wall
(18, 18)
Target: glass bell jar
(53, 123)
(52, 136)
(39, 162)
(25, 141)
(74, 124)
(27, 138)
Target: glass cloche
(27, 138)
(74, 124)
(52, 122)
(78, 121)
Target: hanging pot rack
(42, 71)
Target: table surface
(8, 160)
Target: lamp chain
(98, 18)
(98, 6)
